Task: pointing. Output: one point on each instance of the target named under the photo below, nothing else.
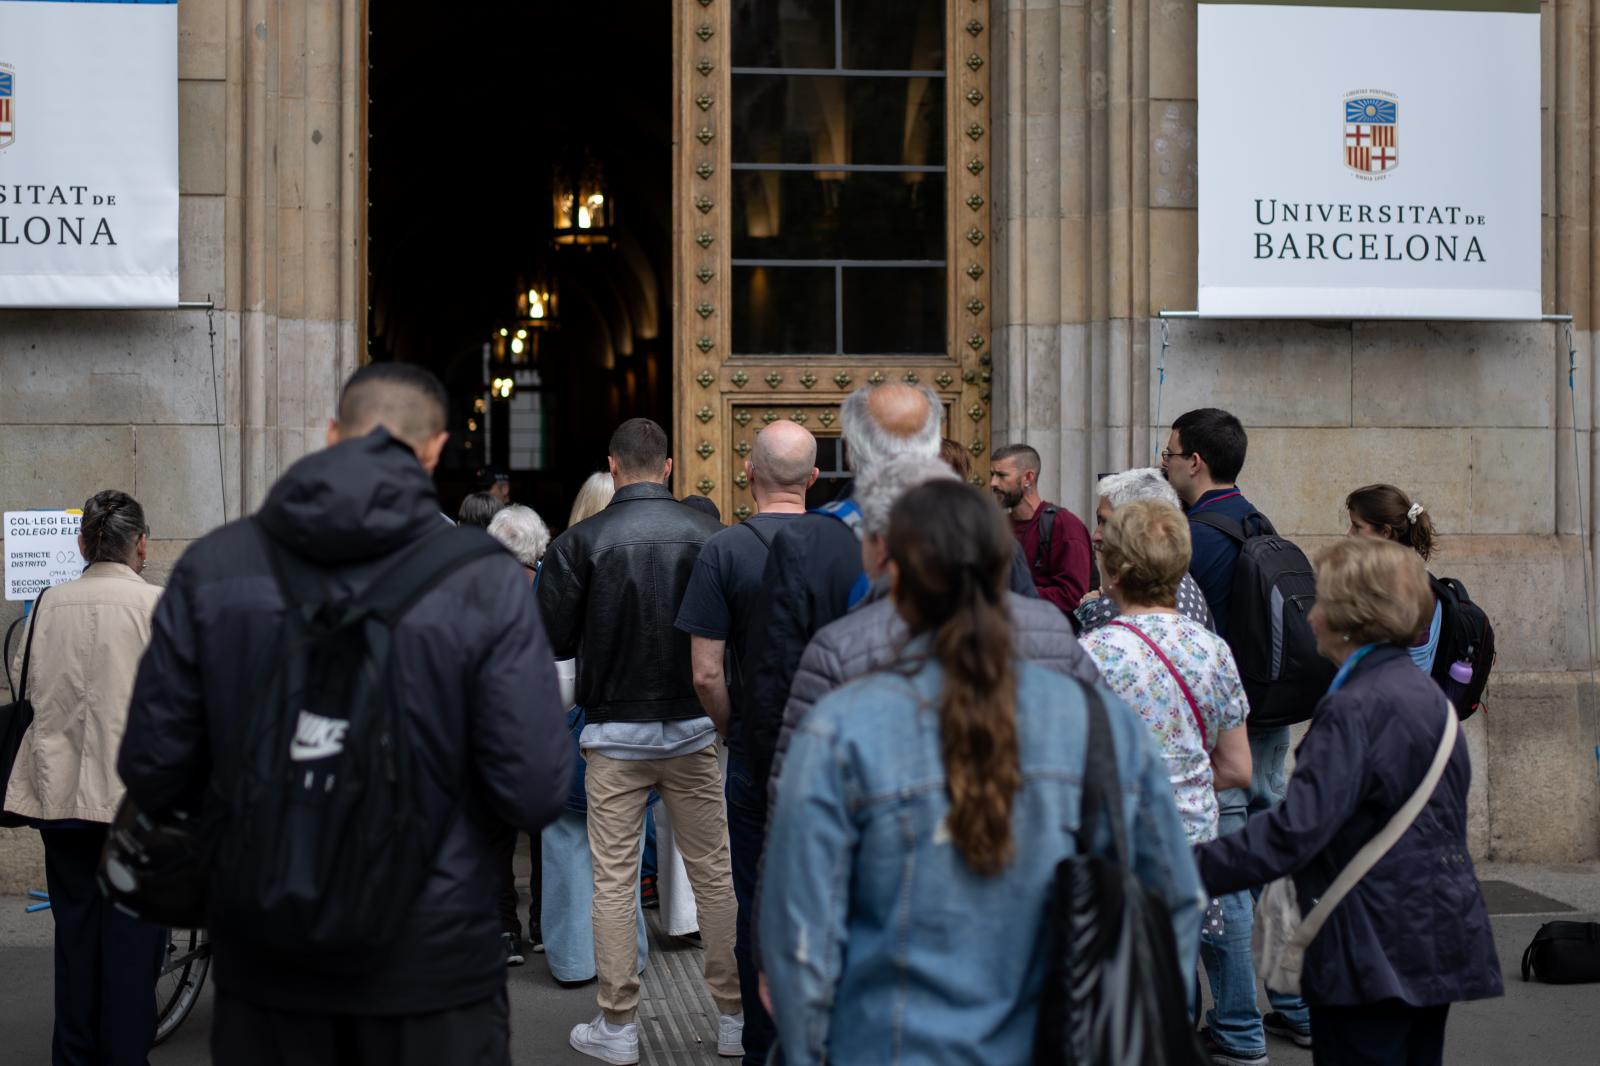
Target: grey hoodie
(871, 636)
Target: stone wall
(269, 137)
(269, 174)
(1096, 196)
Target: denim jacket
(881, 945)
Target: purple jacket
(1415, 928)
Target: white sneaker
(730, 1035)
(616, 1044)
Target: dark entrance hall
(477, 125)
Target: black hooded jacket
(480, 690)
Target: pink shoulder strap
(1182, 684)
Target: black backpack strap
(416, 569)
(766, 541)
(422, 566)
(1232, 527)
(27, 648)
(1047, 525)
(1102, 793)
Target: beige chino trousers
(691, 787)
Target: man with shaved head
(724, 595)
(471, 681)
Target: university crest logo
(8, 105)
(1370, 122)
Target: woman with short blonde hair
(1373, 597)
(593, 497)
(1145, 550)
(1413, 935)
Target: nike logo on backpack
(316, 737)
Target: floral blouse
(1134, 672)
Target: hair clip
(1414, 512)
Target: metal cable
(216, 399)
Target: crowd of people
(854, 736)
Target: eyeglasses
(1166, 455)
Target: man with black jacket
(610, 592)
(474, 672)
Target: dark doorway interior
(469, 119)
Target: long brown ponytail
(953, 552)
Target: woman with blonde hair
(566, 861)
(1413, 935)
(593, 497)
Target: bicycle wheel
(183, 972)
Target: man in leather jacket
(610, 591)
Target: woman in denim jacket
(922, 813)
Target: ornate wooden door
(831, 223)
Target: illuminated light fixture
(503, 331)
(517, 345)
(502, 387)
(537, 303)
(585, 212)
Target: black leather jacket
(610, 589)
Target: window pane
(783, 33)
(805, 215)
(894, 34)
(895, 121)
(783, 311)
(894, 311)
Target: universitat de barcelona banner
(88, 153)
(1369, 158)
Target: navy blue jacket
(480, 694)
(1415, 928)
(1213, 553)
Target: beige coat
(91, 633)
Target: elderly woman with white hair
(524, 534)
(1114, 490)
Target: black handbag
(1113, 989)
(1563, 953)
(15, 718)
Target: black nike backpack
(324, 844)
(1269, 628)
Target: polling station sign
(1369, 159)
(41, 551)
(88, 153)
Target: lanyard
(1349, 664)
(1215, 499)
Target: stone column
(1072, 282)
(294, 159)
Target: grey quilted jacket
(871, 635)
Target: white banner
(88, 153)
(1377, 161)
(41, 551)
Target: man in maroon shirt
(1054, 541)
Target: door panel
(831, 227)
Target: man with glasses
(1202, 460)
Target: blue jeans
(747, 832)
(568, 893)
(1235, 1020)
